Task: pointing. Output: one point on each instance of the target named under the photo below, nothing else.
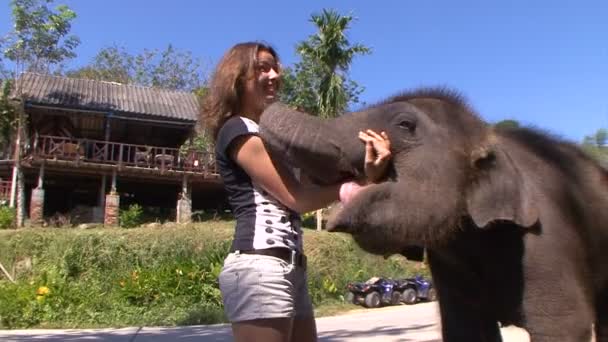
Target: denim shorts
(260, 286)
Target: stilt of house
(112, 206)
(20, 207)
(184, 203)
(99, 210)
(37, 200)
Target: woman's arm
(251, 154)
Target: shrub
(131, 217)
(147, 276)
(7, 216)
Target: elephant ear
(499, 191)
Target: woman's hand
(377, 154)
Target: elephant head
(447, 166)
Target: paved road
(398, 323)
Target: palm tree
(331, 53)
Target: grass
(150, 276)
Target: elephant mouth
(349, 194)
(348, 191)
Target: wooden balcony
(5, 190)
(86, 152)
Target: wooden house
(93, 147)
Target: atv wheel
(372, 300)
(350, 298)
(432, 295)
(409, 296)
(395, 298)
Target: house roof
(108, 97)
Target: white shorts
(260, 286)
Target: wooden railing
(5, 190)
(120, 154)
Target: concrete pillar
(37, 206)
(112, 209)
(184, 209)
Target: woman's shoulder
(234, 127)
(238, 124)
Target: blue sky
(544, 63)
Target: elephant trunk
(325, 150)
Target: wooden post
(185, 191)
(107, 133)
(121, 147)
(8, 275)
(102, 191)
(111, 210)
(113, 188)
(184, 203)
(319, 219)
(17, 154)
(20, 205)
(41, 176)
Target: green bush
(152, 276)
(132, 217)
(7, 216)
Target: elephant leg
(553, 315)
(460, 322)
(462, 315)
(601, 321)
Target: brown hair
(225, 89)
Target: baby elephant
(514, 221)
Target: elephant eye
(409, 125)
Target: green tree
(169, 68)
(507, 124)
(595, 146)
(600, 137)
(40, 37)
(319, 83)
(7, 118)
(39, 41)
(300, 86)
(112, 64)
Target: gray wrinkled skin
(515, 223)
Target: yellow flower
(122, 283)
(43, 291)
(179, 272)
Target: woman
(263, 281)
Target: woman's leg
(267, 330)
(304, 326)
(304, 330)
(257, 292)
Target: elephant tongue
(348, 191)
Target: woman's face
(261, 90)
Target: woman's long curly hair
(224, 96)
